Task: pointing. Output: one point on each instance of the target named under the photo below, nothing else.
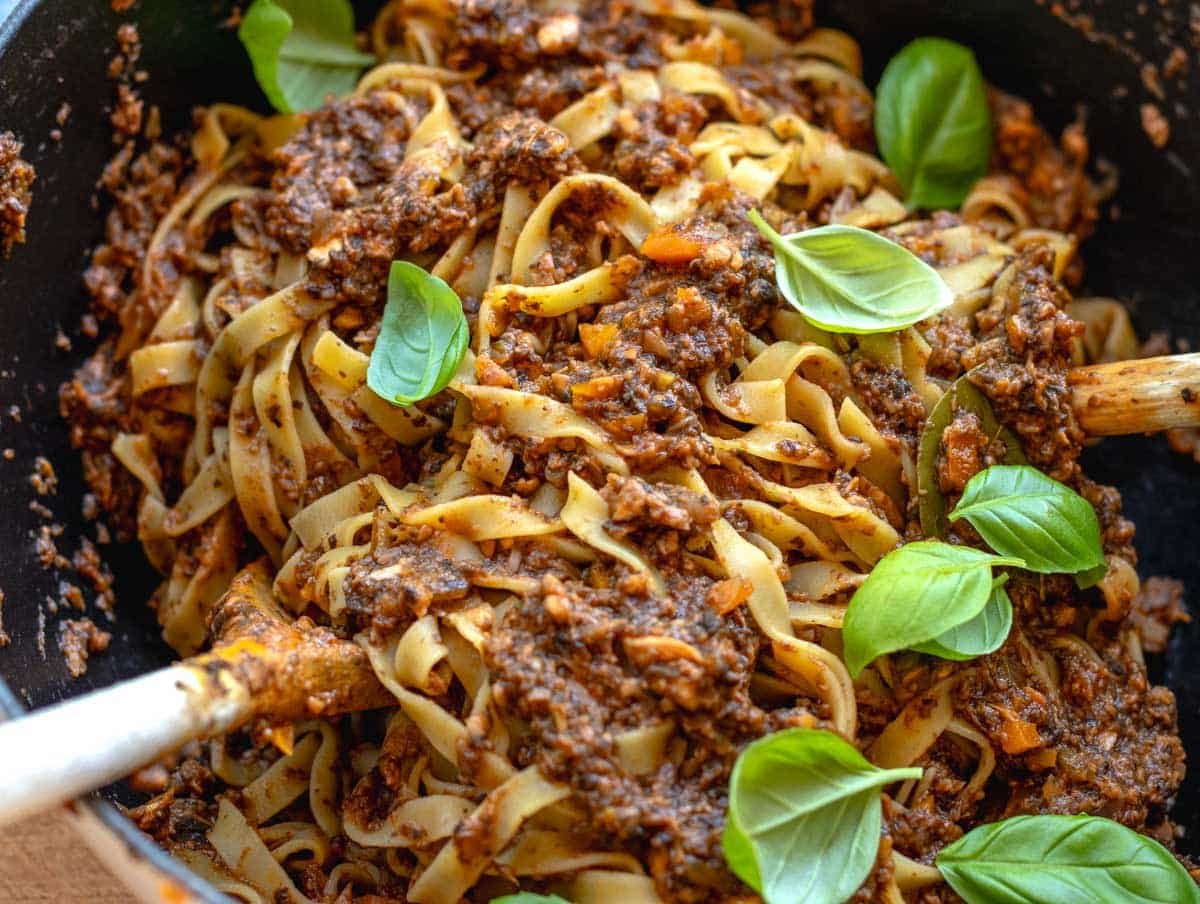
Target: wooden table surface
(42, 861)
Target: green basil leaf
(1021, 512)
(933, 123)
(983, 634)
(461, 338)
(422, 337)
(1064, 859)
(302, 50)
(804, 816)
(916, 594)
(850, 280)
(1091, 577)
(961, 394)
(528, 897)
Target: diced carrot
(597, 337)
(666, 246)
(727, 595)
(1017, 736)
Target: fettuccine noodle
(619, 546)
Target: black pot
(57, 50)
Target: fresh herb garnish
(1019, 511)
(528, 897)
(804, 816)
(1090, 577)
(914, 595)
(422, 337)
(962, 394)
(932, 122)
(983, 634)
(302, 50)
(1064, 859)
(850, 280)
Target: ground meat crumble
(78, 639)
(16, 180)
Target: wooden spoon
(263, 665)
(1140, 396)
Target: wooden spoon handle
(52, 756)
(1138, 396)
(263, 666)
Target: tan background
(42, 861)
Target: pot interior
(56, 51)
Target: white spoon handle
(53, 755)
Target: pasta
(620, 544)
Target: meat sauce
(586, 654)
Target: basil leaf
(804, 816)
(850, 280)
(302, 50)
(1021, 512)
(528, 897)
(460, 339)
(1091, 577)
(916, 594)
(422, 337)
(983, 634)
(961, 394)
(1064, 859)
(933, 123)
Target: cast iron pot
(57, 50)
